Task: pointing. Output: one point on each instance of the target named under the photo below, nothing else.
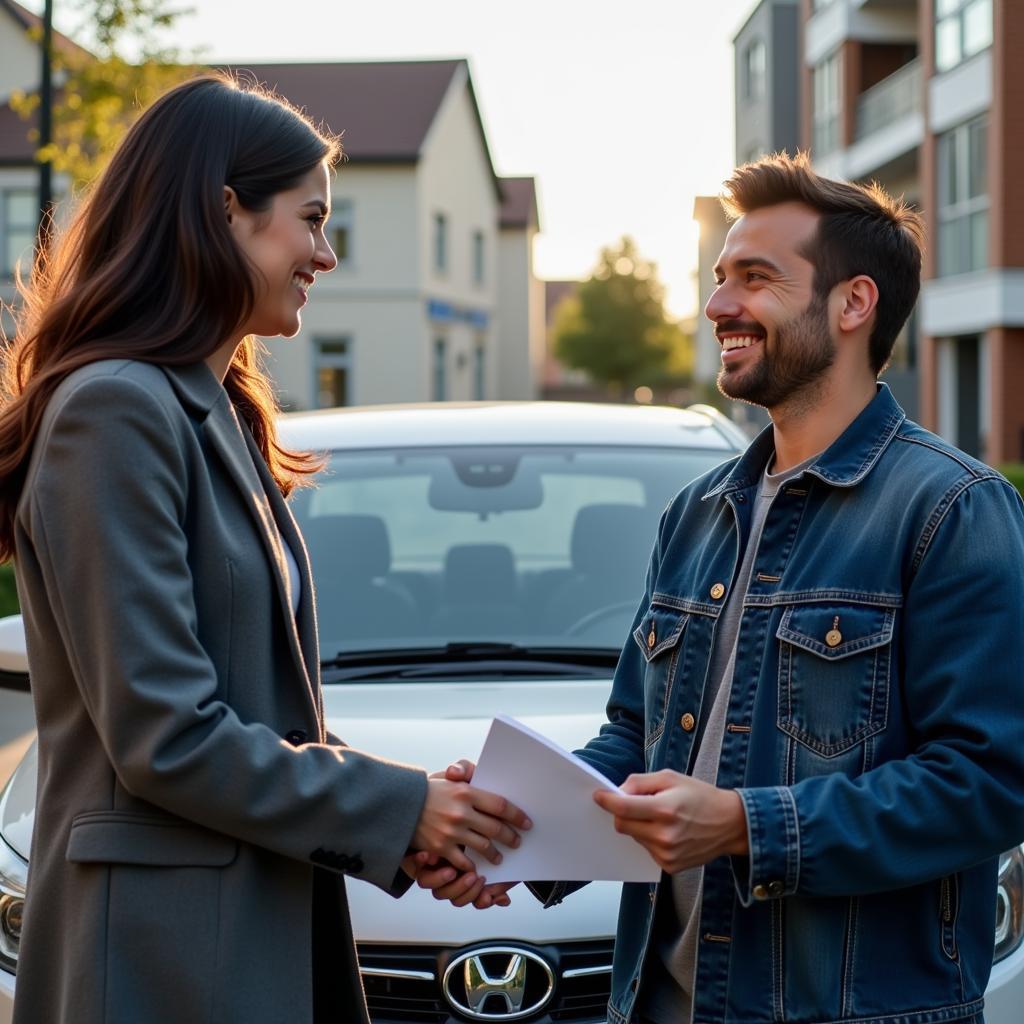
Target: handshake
(681, 822)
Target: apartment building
(922, 95)
(434, 296)
(766, 78)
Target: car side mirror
(13, 654)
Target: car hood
(430, 724)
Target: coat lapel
(305, 618)
(228, 438)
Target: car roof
(445, 424)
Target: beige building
(434, 296)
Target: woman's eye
(316, 220)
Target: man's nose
(723, 304)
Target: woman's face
(287, 248)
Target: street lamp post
(46, 132)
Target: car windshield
(526, 547)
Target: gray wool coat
(187, 786)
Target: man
(817, 723)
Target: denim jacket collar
(844, 463)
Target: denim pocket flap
(834, 632)
(119, 837)
(659, 630)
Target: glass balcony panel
(892, 98)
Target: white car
(472, 560)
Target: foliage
(8, 592)
(100, 93)
(1014, 472)
(616, 329)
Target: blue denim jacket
(875, 729)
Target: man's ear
(859, 302)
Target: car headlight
(12, 905)
(1009, 904)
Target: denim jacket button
(717, 591)
(688, 722)
(760, 892)
(775, 888)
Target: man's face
(774, 331)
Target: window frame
(964, 206)
(955, 14)
(327, 360)
(7, 230)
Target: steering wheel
(587, 622)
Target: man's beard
(803, 350)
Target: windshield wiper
(480, 660)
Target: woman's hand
(459, 887)
(457, 815)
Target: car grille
(403, 983)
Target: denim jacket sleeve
(956, 798)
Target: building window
(440, 242)
(478, 257)
(479, 370)
(440, 369)
(827, 104)
(20, 216)
(962, 29)
(755, 64)
(339, 229)
(333, 364)
(963, 202)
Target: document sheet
(572, 839)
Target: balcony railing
(892, 98)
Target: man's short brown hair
(863, 230)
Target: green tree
(103, 89)
(615, 327)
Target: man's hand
(681, 821)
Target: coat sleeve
(957, 798)
(105, 511)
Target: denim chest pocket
(659, 637)
(834, 670)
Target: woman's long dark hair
(148, 268)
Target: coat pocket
(834, 670)
(659, 637)
(127, 837)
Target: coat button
(652, 638)
(296, 737)
(717, 591)
(760, 892)
(688, 722)
(775, 888)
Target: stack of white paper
(572, 839)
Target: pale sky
(622, 109)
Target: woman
(193, 816)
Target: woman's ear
(230, 203)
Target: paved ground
(16, 730)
